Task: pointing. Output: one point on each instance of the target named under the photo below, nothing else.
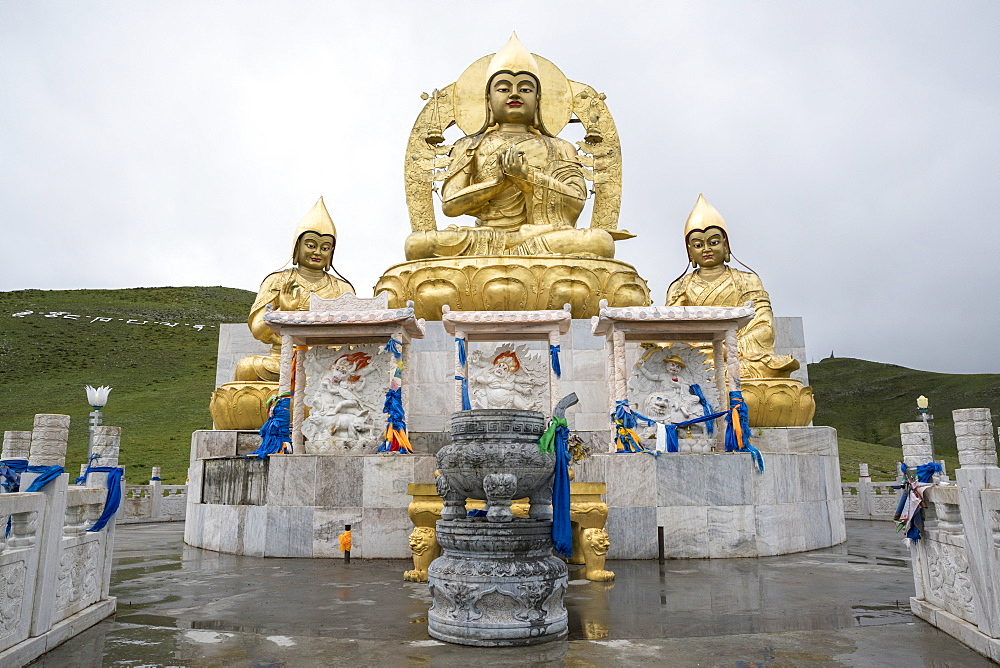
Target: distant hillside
(866, 401)
(155, 346)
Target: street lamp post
(98, 399)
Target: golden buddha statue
(289, 289)
(526, 189)
(774, 399)
(242, 404)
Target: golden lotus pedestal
(513, 283)
(778, 402)
(241, 405)
(588, 514)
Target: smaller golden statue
(773, 398)
(289, 289)
(242, 404)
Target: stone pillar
(155, 494)
(48, 448)
(16, 444)
(48, 440)
(974, 438)
(864, 491)
(107, 445)
(977, 472)
(917, 446)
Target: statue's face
(314, 251)
(708, 248)
(513, 98)
(674, 368)
(501, 369)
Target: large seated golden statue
(773, 397)
(526, 189)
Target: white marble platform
(710, 505)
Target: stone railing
(956, 563)
(154, 502)
(55, 574)
(871, 500)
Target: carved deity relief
(660, 386)
(507, 376)
(345, 392)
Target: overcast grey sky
(853, 147)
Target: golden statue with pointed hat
(289, 289)
(773, 397)
(242, 404)
(524, 187)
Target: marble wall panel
(387, 532)
(728, 482)
(434, 339)
(291, 480)
(731, 531)
(785, 472)
(252, 535)
(778, 529)
(685, 531)
(196, 471)
(339, 480)
(231, 520)
(581, 338)
(193, 524)
(385, 480)
(591, 422)
(591, 469)
(431, 367)
(812, 440)
(590, 365)
(764, 488)
(838, 528)
(423, 468)
(812, 476)
(816, 524)
(632, 532)
(329, 523)
(289, 531)
(593, 399)
(235, 342)
(770, 440)
(213, 443)
(683, 480)
(631, 480)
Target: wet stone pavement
(843, 606)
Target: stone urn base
(778, 402)
(497, 584)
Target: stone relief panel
(77, 576)
(948, 571)
(660, 388)
(345, 393)
(885, 502)
(11, 596)
(507, 376)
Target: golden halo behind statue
(470, 96)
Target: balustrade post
(48, 448)
(155, 494)
(107, 445)
(865, 502)
(977, 472)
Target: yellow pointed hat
(513, 57)
(317, 220)
(702, 217)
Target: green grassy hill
(162, 375)
(866, 401)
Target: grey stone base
(497, 584)
(28, 650)
(965, 632)
(710, 505)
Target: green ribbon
(547, 442)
